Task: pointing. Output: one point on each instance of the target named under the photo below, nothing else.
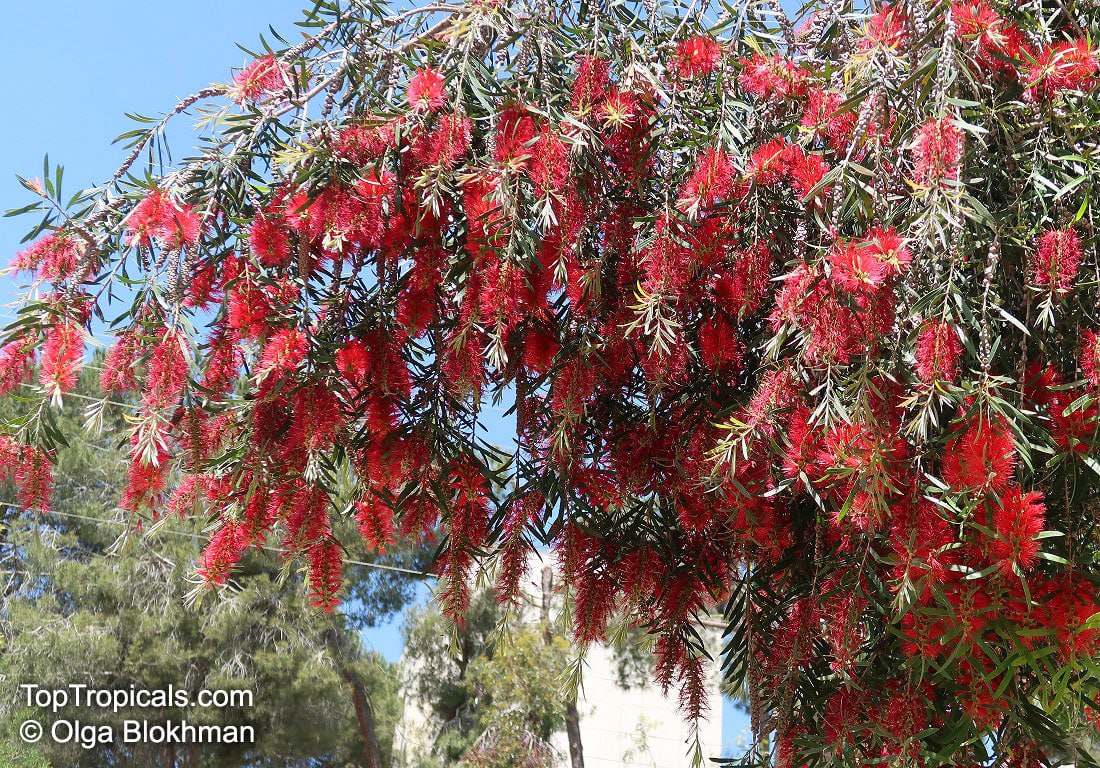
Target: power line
(188, 534)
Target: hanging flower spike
(938, 350)
(1055, 262)
(983, 458)
(157, 218)
(426, 90)
(696, 57)
(61, 358)
(1017, 518)
(262, 79)
(937, 153)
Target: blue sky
(74, 70)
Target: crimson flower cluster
(800, 332)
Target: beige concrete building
(621, 727)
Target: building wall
(635, 727)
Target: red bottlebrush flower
(361, 144)
(805, 169)
(426, 90)
(696, 57)
(720, 347)
(375, 519)
(316, 420)
(768, 163)
(326, 575)
(223, 552)
(283, 353)
(591, 85)
(1056, 260)
(446, 145)
(938, 152)
(714, 179)
(33, 474)
(1063, 66)
(887, 28)
(270, 240)
(548, 168)
(354, 362)
(888, 247)
(168, 370)
(61, 357)
(981, 458)
(992, 41)
(824, 120)
(514, 136)
(119, 366)
(516, 551)
(1089, 359)
(621, 109)
(772, 77)
(261, 79)
(16, 364)
(146, 479)
(58, 256)
(1017, 518)
(938, 351)
(224, 359)
(921, 541)
(539, 351)
(856, 269)
(203, 288)
(159, 218)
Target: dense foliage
(798, 315)
(85, 602)
(487, 695)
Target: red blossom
(937, 153)
(261, 79)
(1017, 518)
(16, 364)
(695, 57)
(772, 77)
(158, 218)
(938, 350)
(982, 458)
(426, 90)
(61, 357)
(1056, 259)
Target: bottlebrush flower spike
(223, 552)
(696, 56)
(326, 566)
(982, 458)
(16, 364)
(426, 90)
(262, 79)
(857, 269)
(61, 358)
(168, 370)
(56, 257)
(772, 77)
(375, 519)
(1056, 260)
(937, 153)
(938, 350)
(160, 219)
(1090, 357)
(1017, 518)
(1063, 66)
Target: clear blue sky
(73, 68)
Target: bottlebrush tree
(798, 316)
